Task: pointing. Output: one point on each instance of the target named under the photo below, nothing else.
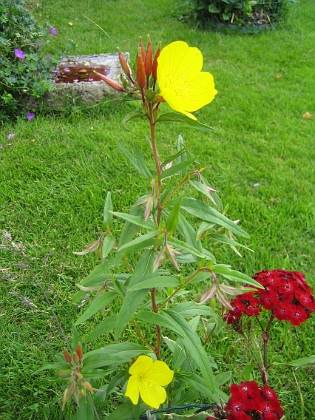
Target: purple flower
(66, 69)
(30, 116)
(53, 31)
(48, 57)
(10, 136)
(19, 54)
(0, 146)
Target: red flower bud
(67, 356)
(141, 78)
(79, 352)
(124, 65)
(110, 82)
(148, 58)
(155, 62)
(142, 49)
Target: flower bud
(124, 65)
(110, 82)
(79, 352)
(148, 58)
(75, 357)
(67, 356)
(142, 49)
(155, 62)
(88, 386)
(141, 78)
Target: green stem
(182, 286)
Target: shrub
(240, 12)
(25, 71)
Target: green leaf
(234, 275)
(183, 246)
(155, 282)
(137, 161)
(161, 319)
(191, 309)
(108, 208)
(132, 299)
(180, 154)
(100, 302)
(130, 229)
(112, 355)
(194, 348)
(213, 9)
(139, 243)
(131, 116)
(102, 328)
(174, 117)
(85, 410)
(172, 219)
(304, 361)
(209, 214)
(107, 246)
(188, 233)
(124, 411)
(176, 168)
(136, 220)
(99, 275)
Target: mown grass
(55, 176)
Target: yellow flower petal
(152, 394)
(160, 373)
(132, 390)
(141, 365)
(182, 84)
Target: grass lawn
(55, 176)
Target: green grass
(55, 176)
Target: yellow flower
(181, 82)
(147, 379)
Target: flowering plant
(25, 71)
(147, 270)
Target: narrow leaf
(136, 220)
(100, 302)
(155, 282)
(209, 214)
(131, 116)
(174, 117)
(234, 275)
(139, 243)
(137, 161)
(176, 168)
(102, 328)
(132, 299)
(108, 208)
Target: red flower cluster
(249, 401)
(285, 293)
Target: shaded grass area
(55, 176)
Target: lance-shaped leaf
(180, 156)
(234, 275)
(102, 328)
(172, 219)
(132, 300)
(112, 354)
(188, 232)
(99, 275)
(204, 212)
(131, 116)
(193, 345)
(183, 246)
(129, 229)
(100, 302)
(141, 242)
(107, 246)
(155, 282)
(108, 208)
(174, 117)
(204, 189)
(303, 361)
(176, 168)
(136, 220)
(229, 241)
(137, 161)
